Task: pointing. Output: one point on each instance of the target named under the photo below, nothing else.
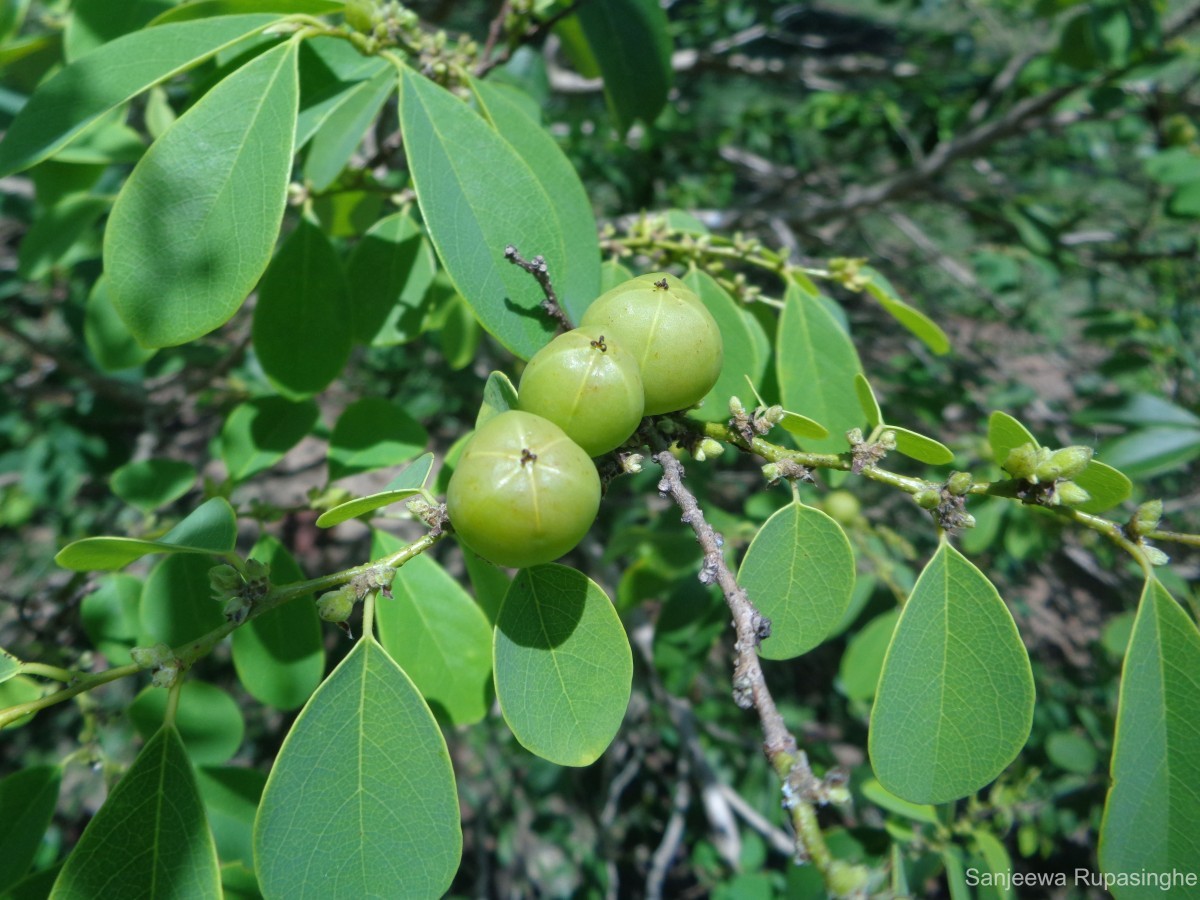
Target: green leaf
(177, 603)
(208, 720)
(563, 665)
(799, 573)
(477, 196)
(439, 636)
(881, 796)
(920, 325)
(120, 70)
(1071, 752)
(863, 660)
(1149, 451)
(741, 359)
(231, 795)
(410, 481)
(279, 656)
(155, 817)
(630, 43)
(866, 400)
(61, 237)
(816, 363)
(361, 801)
(921, 448)
(302, 320)
(389, 272)
(211, 529)
(258, 433)
(151, 483)
(195, 224)
(110, 615)
(506, 109)
(1185, 201)
(343, 129)
(107, 336)
(613, 273)
(1107, 486)
(373, 433)
(989, 857)
(802, 426)
(1004, 434)
(204, 9)
(1153, 805)
(16, 691)
(28, 798)
(9, 666)
(955, 701)
(96, 22)
(331, 72)
(499, 396)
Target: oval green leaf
(881, 796)
(563, 665)
(1106, 485)
(361, 801)
(28, 798)
(921, 448)
(816, 363)
(155, 816)
(1006, 433)
(195, 224)
(866, 400)
(302, 319)
(1152, 806)
(390, 271)
(9, 666)
(151, 483)
(208, 720)
(211, 528)
(258, 433)
(799, 573)
(120, 70)
(410, 481)
(204, 9)
(231, 795)
(110, 615)
(177, 603)
(802, 426)
(918, 324)
(499, 395)
(508, 109)
(107, 336)
(955, 701)
(478, 196)
(741, 359)
(440, 637)
(342, 130)
(279, 656)
(863, 660)
(373, 433)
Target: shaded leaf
(629, 41)
(208, 720)
(799, 573)
(920, 325)
(107, 336)
(361, 801)
(258, 433)
(499, 395)
(61, 237)
(28, 798)
(563, 665)
(409, 482)
(921, 448)
(955, 701)
(279, 656)
(302, 319)
(96, 22)
(342, 131)
(1153, 804)
(194, 226)
(177, 603)
(390, 272)
(231, 795)
(151, 483)
(863, 660)
(205, 9)
(154, 823)
(110, 615)
(373, 433)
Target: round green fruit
(523, 492)
(666, 328)
(587, 385)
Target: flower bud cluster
(161, 659)
(239, 590)
(1047, 473)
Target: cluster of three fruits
(525, 490)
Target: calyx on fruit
(588, 385)
(670, 333)
(523, 493)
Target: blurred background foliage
(1027, 172)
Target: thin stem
(45, 671)
(85, 683)
(173, 701)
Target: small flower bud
(959, 483)
(928, 498)
(1021, 461)
(1070, 461)
(735, 407)
(854, 436)
(165, 676)
(838, 794)
(846, 879)
(773, 415)
(336, 606)
(632, 462)
(966, 520)
(711, 448)
(256, 570)
(224, 580)
(149, 657)
(1147, 517)
(887, 440)
(1071, 494)
(771, 472)
(1155, 556)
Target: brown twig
(801, 788)
(489, 59)
(538, 268)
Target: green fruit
(588, 386)
(523, 492)
(843, 507)
(666, 328)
